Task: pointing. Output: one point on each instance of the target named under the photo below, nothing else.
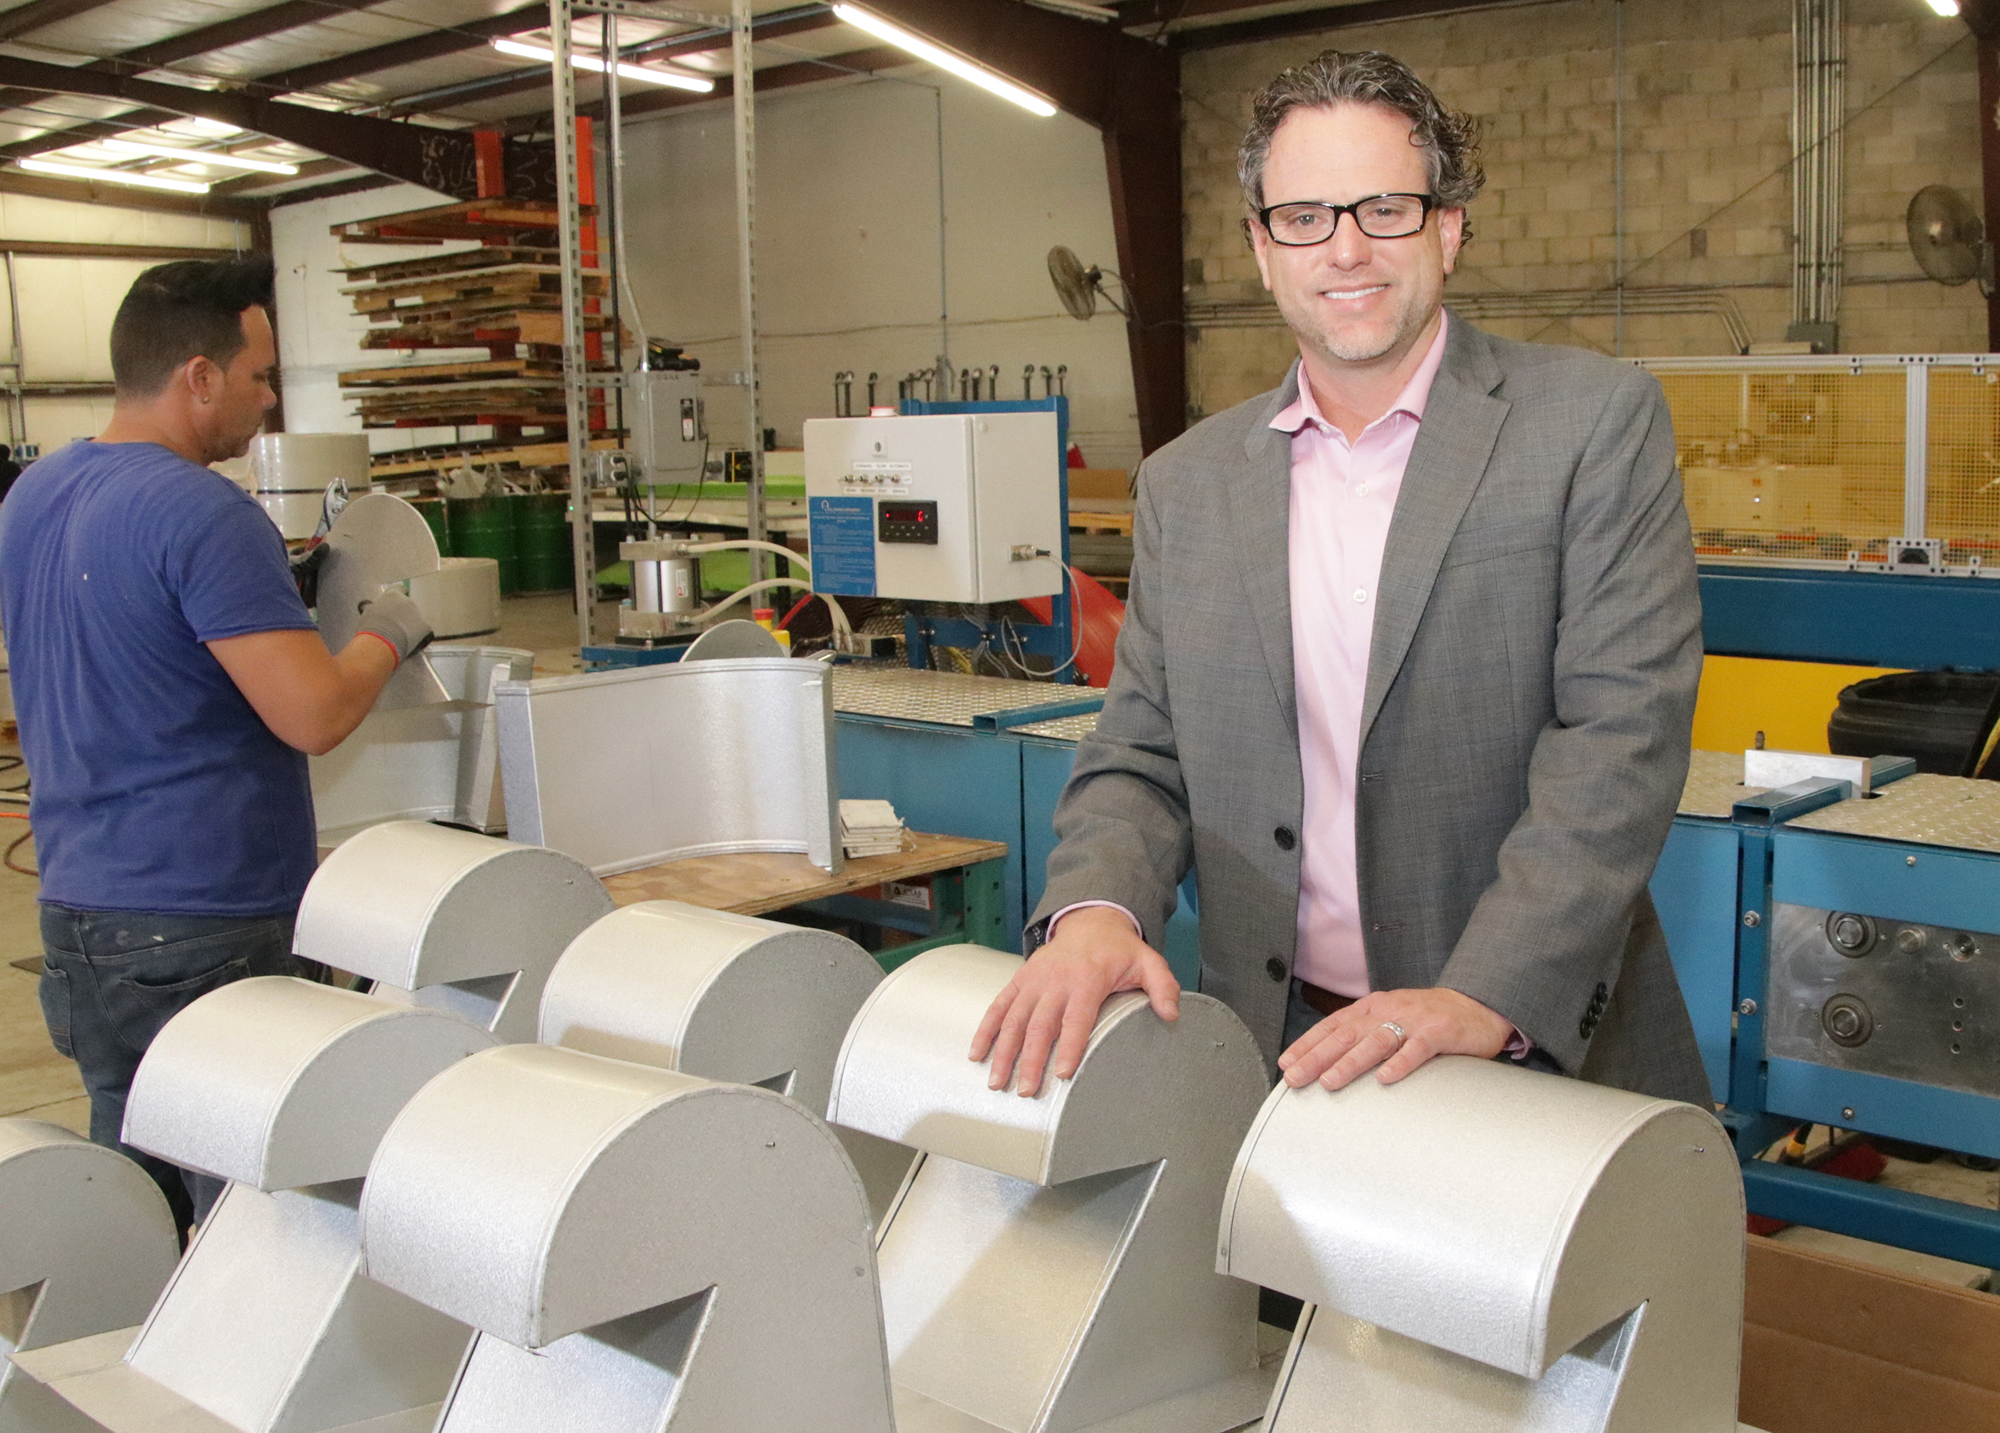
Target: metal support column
(1916, 446)
(576, 360)
(744, 101)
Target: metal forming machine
(1841, 959)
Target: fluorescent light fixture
(1947, 8)
(130, 148)
(113, 176)
(674, 78)
(214, 127)
(944, 59)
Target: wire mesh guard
(1815, 461)
(1799, 464)
(1962, 492)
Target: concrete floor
(37, 1083)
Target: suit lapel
(1261, 514)
(1461, 423)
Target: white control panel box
(937, 508)
(669, 424)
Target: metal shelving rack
(576, 374)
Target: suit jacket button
(1275, 968)
(1584, 1027)
(1285, 837)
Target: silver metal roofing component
(1486, 1248)
(90, 1242)
(1049, 1265)
(284, 1087)
(639, 1249)
(631, 768)
(461, 922)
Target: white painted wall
(848, 252)
(848, 256)
(66, 304)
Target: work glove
(305, 571)
(398, 621)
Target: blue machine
(1841, 959)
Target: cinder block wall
(1707, 200)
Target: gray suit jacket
(1531, 689)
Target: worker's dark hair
(1448, 138)
(177, 311)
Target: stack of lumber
(504, 297)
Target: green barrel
(541, 530)
(484, 527)
(433, 511)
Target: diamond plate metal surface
(943, 698)
(1073, 728)
(1929, 810)
(1714, 784)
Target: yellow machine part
(1788, 701)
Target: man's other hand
(1353, 1041)
(397, 620)
(1053, 1000)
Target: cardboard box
(1835, 1346)
(1099, 483)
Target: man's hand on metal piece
(1393, 1032)
(397, 620)
(1053, 1000)
(305, 570)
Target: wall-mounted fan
(1948, 238)
(1080, 287)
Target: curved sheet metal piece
(377, 539)
(279, 1083)
(709, 993)
(681, 1255)
(465, 923)
(599, 765)
(1106, 1185)
(731, 639)
(1495, 1249)
(89, 1244)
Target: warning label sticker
(843, 545)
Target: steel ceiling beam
(1327, 17)
(438, 159)
(37, 14)
(771, 77)
(471, 35)
(1129, 90)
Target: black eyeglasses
(1379, 216)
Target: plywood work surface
(756, 882)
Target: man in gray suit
(1409, 667)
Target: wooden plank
(519, 455)
(517, 326)
(467, 219)
(481, 277)
(756, 882)
(504, 289)
(452, 262)
(445, 372)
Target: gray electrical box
(668, 424)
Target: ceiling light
(1947, 8)
(675, 78)
(944, 59)
(114, 176)
(128, 148)
(212, 127)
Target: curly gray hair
(1448, 138)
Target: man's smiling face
(1354, 300)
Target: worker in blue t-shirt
(169, 684)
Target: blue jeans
(111, 979)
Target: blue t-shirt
(156, 785)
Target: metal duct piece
(436, 762)
(89, 1245)
(632, 768)
(733, 640)
(1489, 1249)
(448, 919)
(647, 1252)
(1050, 1264)
(377, 540)
(268, 1327)
(725, 997)
(461, 599)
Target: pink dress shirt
(1342, 498)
